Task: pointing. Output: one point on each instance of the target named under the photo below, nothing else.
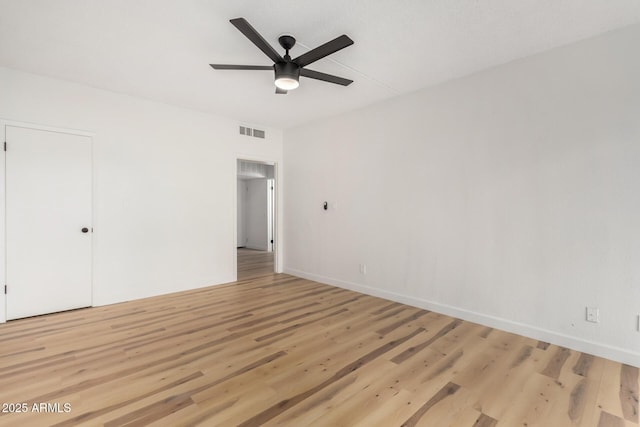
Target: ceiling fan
(287, 70)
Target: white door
(48, 221)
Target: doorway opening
(256, 218)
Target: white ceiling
(160, 49)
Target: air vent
(247, 131)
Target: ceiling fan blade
(281, 91)
(325, 77)
(251, 33)
(241, 67)
(324, 50)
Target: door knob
(85, 230)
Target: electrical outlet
(363, 268)
(593, 314)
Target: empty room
(336, 213)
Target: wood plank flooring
(252, 263)
(279, 350)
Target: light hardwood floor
(279, 350)
(252, 263)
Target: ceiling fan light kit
(287, 75)
(288, 71)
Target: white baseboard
(598, 349)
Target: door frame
(3, 197)
(277, 209)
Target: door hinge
(5, 289)
(5, 146)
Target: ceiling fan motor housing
(289, 70)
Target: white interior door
(48, 221)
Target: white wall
(164, 184)
(257, 214)
(510, 197)
(241, 213)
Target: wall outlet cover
(593, 314)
